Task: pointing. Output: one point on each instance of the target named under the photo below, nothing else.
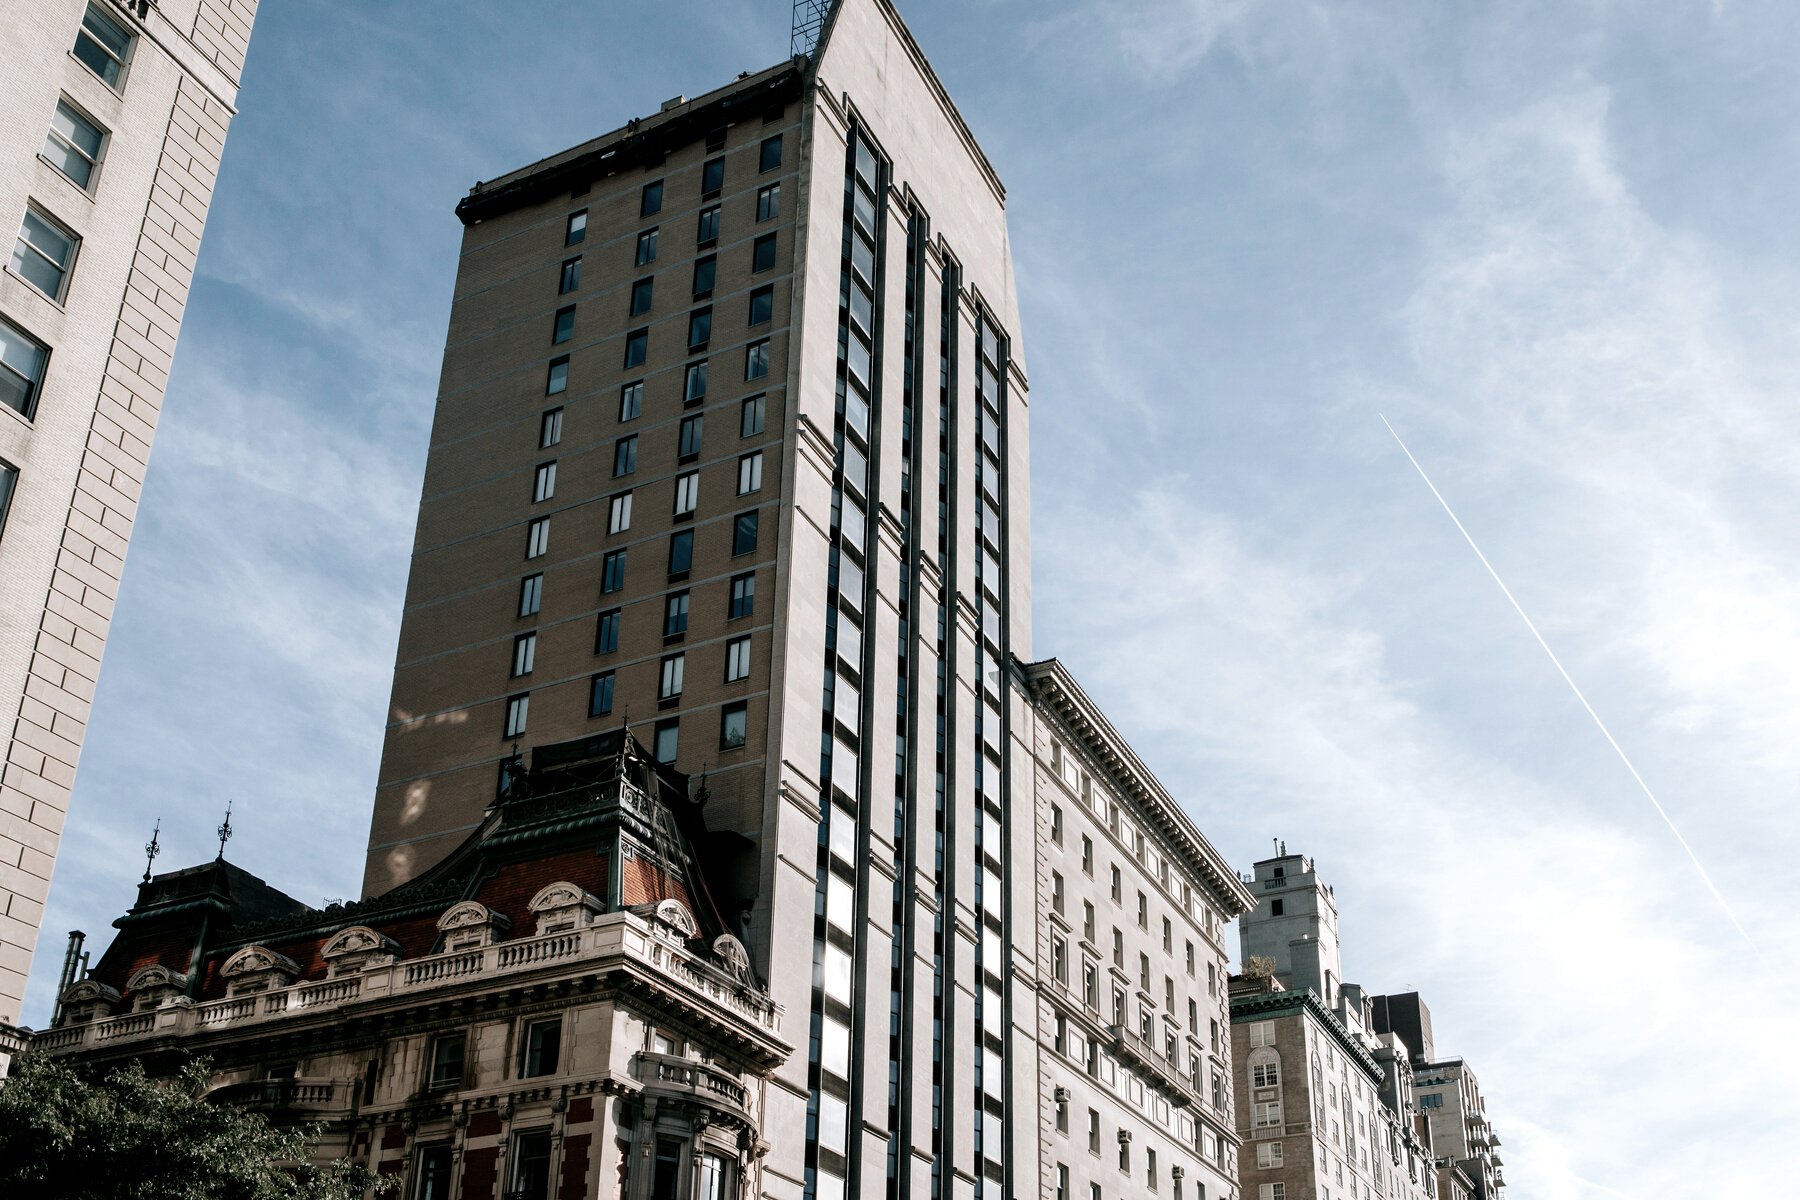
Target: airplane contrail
(1569, 679)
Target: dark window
(743, 534)
(102, 44)
(668, 744)
(577, 229)
(625, 456)
(22, 362)
(699, 328)
(750, 422)
(637, 347)
(530, 1166)
(446, 1061)
(641, 293)
(646, 248)
(756, 359)
(762, 253)
(631, 401)
(695, 389)
(681, 552)
(558, 378)
(531, 595)
(675, 614)
(606, 632)
(768, 202)
(762, 304)
(706, 270)
(433, 1180)
(651, 202)
(600, 694)
(543, 1044)
(715, 140)
(612, 571)
(712, 177)
(734, 721)
(691, 430)
(564, 328)
(708, 233)
(743, 596)
(771, 154)
(571, 276)
(9, 477)
(1275, 908)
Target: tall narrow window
(625, 456)
(576, 231)
(550, 428)
(571, 276)
(756, 360)
(681, 553)
(699, 329)
(543, 484)
(743, 534)
(762, 304)
(706, 271)
(9, 478)
(674, 668)
(530, 1162)
(708, 232)
(612, 572)
(606, 632)
(734, 721)
(524, 656)
(631, 401)
(44, 253)
(518, 708)
(600, 694)
(771, 154)
(762, 253)
(691, 430)
(737, 659)
(646, 248)
(694, 390)
(21, 369)
(433, 1182)
(537, 538)
(712, 178)
(650, 201)
(557, 380)
(675, 614)
(103, 44)
(543, 1046)
(446, 1061)
(750, 421)
(687, 493)
(768, 202)
(743, 596)
(618, 518)
(531, 595)
(637, 348)
(642, 295)
(73, 146)
(750, 473)
(668, 740)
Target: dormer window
(562, 907)
(470, 926)
(257, 969)
(88, 1000)
(155, 986)
(357, 949)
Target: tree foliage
(125, 1136)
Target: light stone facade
(93, 348)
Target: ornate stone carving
(563, 905)
(676, 916)
(257, 969)
(470, 925)
(155, 985)
(357, 949)
(88, 1000)
(731, 955)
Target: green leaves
(126, 1136)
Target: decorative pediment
(676, 916)
(154, 985)
(257, 969)
(563, 905)
(88, 1000)
(358, 948)
(470, 924)
(731, 954)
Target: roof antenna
(224, 832)
(152, 848)
(1278, 850)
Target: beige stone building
(115, 114)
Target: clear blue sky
(1553, 242)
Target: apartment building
(116, 117)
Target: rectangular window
(637, 348)
(1271, 1191)
(1262, 1033)
(713, 1176)
(642, 294)
(743, 596)
(681, 553)
(518, 708)
(625, 456)
(22, 362)
(1268, 1113)
(694, 388)
(768, 202)
(537, 538)
(550, 429)
(646, 248)
(524, 655)
(557, 380)
(762, 253)
(631, 401)
(1087, 919)
(571, 276)
(44, 254)
(771, 154)
(750, 420)
(618, 518)
(734, 721)
(750, 473)
(1268, 1154)
(699, 329)
(674, 667)
(650, 203)
(612, 572)
(432, 1181)
(9, 478)
(576, 232)
(600, 694)
(762, 304)
(712, 177)
(737, 659)
(606, 632)
(668, 739)
(1266, 1074)
(743, 534)
(675, 614)
(531, 595)
(706, 270)
(1143, 911)
(708, 232)
(687, 493)
(73, 146)
(446, 1061)
(1087, 856)
(530, 1166)
(103, 44)
(543, 1045)
(543, 483)
(756, 360)
(691, 430)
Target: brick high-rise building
(116, 113)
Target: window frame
(738, 658)
(23, 245)
(742, 589)
(736, 713)
(769, 242)
(569, 277)
(768, 202)
(647, 240)
(33, 384)
(601, 688)
(120, 59)
(94, 162)
(517, 716)
(575, 229)
(650, 199)
(550, 427)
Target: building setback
(116, 118)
